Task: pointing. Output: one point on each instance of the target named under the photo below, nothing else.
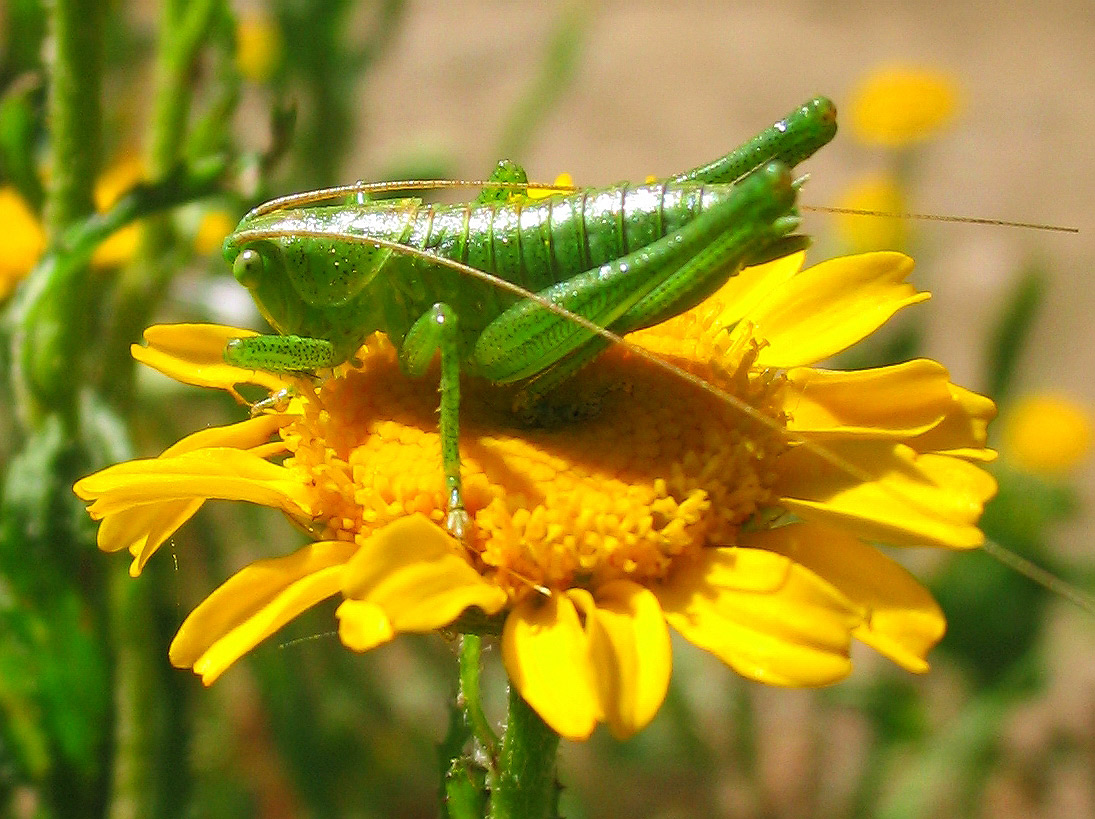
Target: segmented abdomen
(536, 245)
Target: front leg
(282, 354)
(437, 330)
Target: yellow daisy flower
(747, 526)
(901, 104)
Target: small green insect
(506, 288)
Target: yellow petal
(143, 529)
(243, 435)
(258, 46)
(414, 572)
(194, 354)
(562, 180)
(118, 178)
(911, 499)
(631, 652)
(212, 230)
(254, 603)
(363, 625)
(767, 618)
(547, 655)
(887, 402)
(903, 622)
(735, 299)
(831, 306)
(964, 429)
(743, 292)
(213, 472)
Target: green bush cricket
(515, 292)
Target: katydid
(621, 258)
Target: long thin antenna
(934, 217)
(296, 200)
(1025, 567)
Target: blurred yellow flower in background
(23, 240)
(215, 225)
(748, 528)
(886, 230)
(563, 180)
(1047, 433)
(121, 175)
(258, 46)
(901, 104)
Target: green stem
(470, 659)
(39, 338)
(74, 110)
(54, 329)
(138, 697)
(184, 28)
(555, 73)
(523, 787)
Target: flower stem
(523, 786)
(184, 29)
(74, 110)
(470, 658)
(137, 699)
(54, 328)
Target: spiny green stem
(56, 327)
(74, 110)
(523, 786)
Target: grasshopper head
(260, 268)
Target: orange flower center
(646, 472)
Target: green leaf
(465, 791)
(20, 129)
(1012, 329)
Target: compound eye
(248, 268)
